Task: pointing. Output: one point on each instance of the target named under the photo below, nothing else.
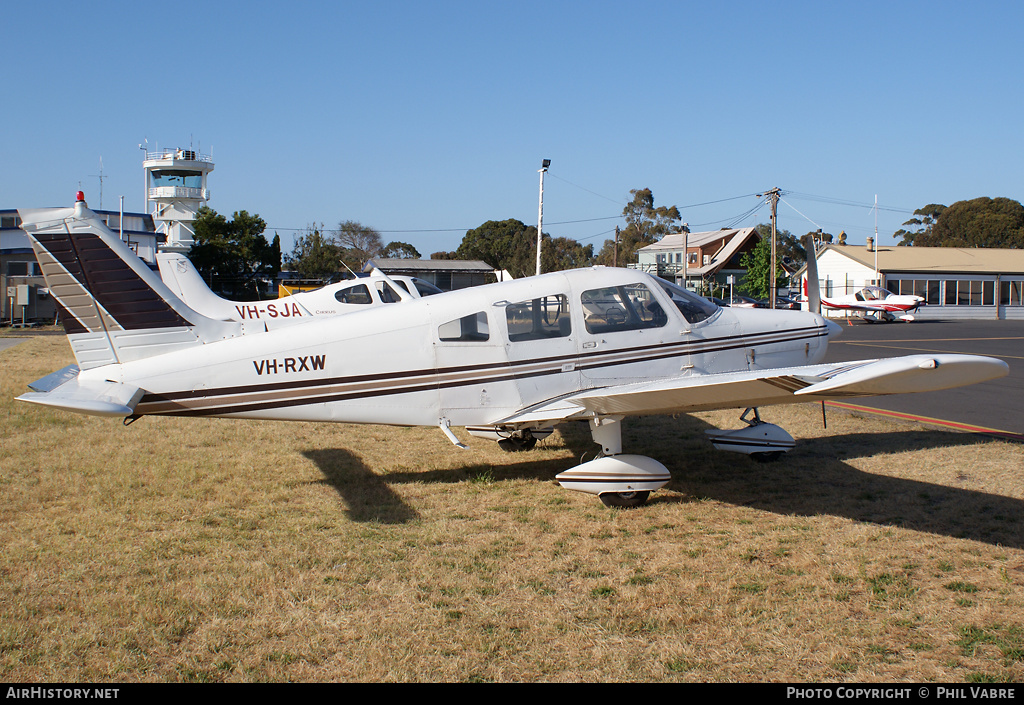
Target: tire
(625, 499)
(518, 444)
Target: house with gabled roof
(704, 260)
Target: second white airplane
(349, 296)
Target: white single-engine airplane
(877, 304)
(181, 277)
(507, 360)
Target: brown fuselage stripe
(250, 398)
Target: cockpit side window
(694, 308)
(357, 294)
(425, 288)
(539, 319)
(621, 308)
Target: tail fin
(811, 281)
(185, 282)
(114, 307)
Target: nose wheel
(619, 480)
(625, 499)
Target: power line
(804, 216)
(581, 188)
(728, 222)
(843, 202)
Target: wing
(901, 375)
(852, 306)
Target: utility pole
(773, 196)
(540, 209)
(615, 254)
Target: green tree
(233, 256)
(645, 225)
(980, 222)
(757, 282)
(787, 247)
(400, 250)
(358, 243)
(506, 244)
(512, 246)
(315, 254)
(918, 230)
(559, 253)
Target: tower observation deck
(176, 184)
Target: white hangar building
(955, 282)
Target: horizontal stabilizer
(54, 379)
(95, 397)
(913, 373)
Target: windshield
(694, 308)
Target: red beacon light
(80, 196)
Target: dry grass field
(219, 550)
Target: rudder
(114, 308)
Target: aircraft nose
(834, 329)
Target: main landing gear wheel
(518, 442)
(625, 499)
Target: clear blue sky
(425, 119)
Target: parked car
(785, 302)
(740, 301)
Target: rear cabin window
(471, 328)
(538, 319)
(358, 294)
(621, 308)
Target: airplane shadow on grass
(811, 480)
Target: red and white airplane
(506, 361)
(875, 304)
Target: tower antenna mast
(100, 176)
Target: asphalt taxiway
(996, 406)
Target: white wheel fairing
(616, 474)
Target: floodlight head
(546, 163)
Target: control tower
(176, 183)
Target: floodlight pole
(878, 281)
(540, 209)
